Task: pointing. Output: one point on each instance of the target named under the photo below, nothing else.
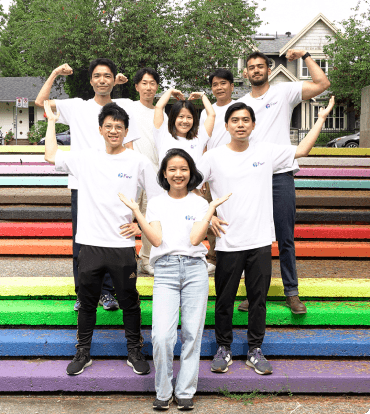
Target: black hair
(102, 61)
(141, 72)
(196, 176)
(174, 113)
(237, 107)
(115, 111)
(256, 55)
(221, 73)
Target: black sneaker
(136, 360)
(162, 405)
(222, 360)
(108, 302)
(184, 404)
(79, 362)
(256, 360)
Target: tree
(184, 42)
(349, 52)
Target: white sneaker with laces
(147, 269)
(211, 269)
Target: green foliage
(349, 51)
(183, 41)
(9, 136)
(38, 130)
(246, 398)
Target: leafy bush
(325, 137)
(9, 136)
(38, 130)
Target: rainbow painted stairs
(325, 351)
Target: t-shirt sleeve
(68, 109)
(203, 117)
(68, 162)
(152, 211)
(282, 156)
(133, 129)
(293, 92)
(203, 136)
(202, 210)
(148, 180)
(204, 166)
(159, 135)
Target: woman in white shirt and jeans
(176, 223)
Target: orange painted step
(332, 232)
(35, 229)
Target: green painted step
(50, 312)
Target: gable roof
(27, 87)
(321, 17)
(268, 46)
(285, 71)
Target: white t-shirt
(248, 176)
(273, 114)
(82, 118)
(177, 217)
(220, 136)
(101, 177)
(144, 120)
(165, 141)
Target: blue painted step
(111, 343)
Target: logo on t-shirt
(256, 164)
(190, 218)
(121, 175)
(192, 146)
(271, 104)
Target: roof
(267, 46)
(27, 87)
(285, 71)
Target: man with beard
(273, 106)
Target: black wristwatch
(306, 55)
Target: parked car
(348, 141)
(63, 138)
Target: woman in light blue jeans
(176, 223)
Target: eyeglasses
(118, 128)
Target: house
(25, 87)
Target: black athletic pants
(256, 264)
(93, 263)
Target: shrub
(9, 136)
(38, 131)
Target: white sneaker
(147, 269)
(211, 269)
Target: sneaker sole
(137, 372)
(107, 307)
(82, 370)
(258, 372)
(163, 408)
(220, 370)
(183, 408)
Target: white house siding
(279, 78)
(6, 116)
(315, 38)
(292, 67)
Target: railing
(326, 135)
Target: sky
(291, 15)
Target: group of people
(129, 160)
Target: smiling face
(257, 71)
(113, 132)
(102, 80)
(184, 122)
(222, 88)
(240, 125)
(147, 88)
(177, 174)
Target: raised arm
(211, 114)
(199, 229)
(44, 93)
(319, 83)
(51, 145)
(152, 231)
(161, 104)
(309, 140)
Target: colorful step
(340, 184)
(53, 312)
(34, 181)
(333, 162)
(16, 229)
(112, 343)
(293, 376)
(61, 287)
(333, 198)
(26, 169)
(331, 172)
(29, 195)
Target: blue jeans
(284, 219)
(179, 281)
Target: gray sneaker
(256, 360)
(221, 360)
(108, 302)
(184, 404)
(162, 405)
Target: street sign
(25, 102)
(19, 102)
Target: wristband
(139, 226)
(306, 55)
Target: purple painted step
(333, 172)
(313, 376)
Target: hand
(294, 54)
(216, 226)
(245, 73)
(64, 70)
(178, 95)
(49, 113)
(129, 230)
(195, 95)
(129, 203)
(324, 112)
(120, 79)
(218, 201)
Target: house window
(324, 64)
(335, 120)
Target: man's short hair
(238, 107)
(141, 72)
(256, 55)
(102, 61)
(221, 73)
(115, 111)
